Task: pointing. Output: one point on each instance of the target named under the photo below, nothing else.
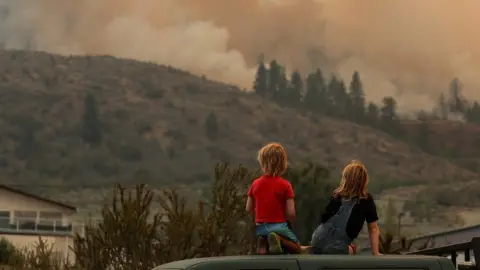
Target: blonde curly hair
(273, 159)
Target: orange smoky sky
(408, 49)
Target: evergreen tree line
(334, 98)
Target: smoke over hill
(409, 49)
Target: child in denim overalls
(343, 219)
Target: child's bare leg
(352, 250)
(306, 249)
(261, 245)
(293, 247)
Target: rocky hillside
(155, 129)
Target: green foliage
(261, 81)
(126, 222)
(372, 114)
(7, 250)
(423, 139)
(217, 226)
(388, 245)
(295, 89)
(389, 120)
(457, 102)
(312, 193)
(473, 113)
(315, 97)
(381, 183)
(282, 93)
(274, 74)
(91, 131)
(419, 211)
(25, 135)
(357, 98)
(334, 100)
(442, 107)
(442, 195)
(152, 93)
(391, 218)
(41, 257)
(211, 126)
(140, 228)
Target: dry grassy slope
(153, 118)
(454, 140)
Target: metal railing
(30, 225)
(454, 250)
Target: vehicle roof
(303, 257)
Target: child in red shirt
(271, 199)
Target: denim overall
(331, 237)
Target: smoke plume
(408, 49)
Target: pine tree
(282, 93)
(343, 100)
(91, 132)
(473, 113)
(357, 97)
(295, 89)
(322, 87)
(373, 114)
(422, 115)
(273, 79)
(315, 97)
(457, 103)
(423, 137)
(28, 144)
(312, 94)
(211, 126)
(389, 118)
(260, 85)
(330, 91)
(443, 107)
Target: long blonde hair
(273, 159)
(354, 181)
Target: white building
(25, 217)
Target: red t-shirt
(270, 194)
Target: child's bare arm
(250, 205)
(374, 235)
(290, 210)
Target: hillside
(454, 140)
(153, 124)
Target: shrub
(218, 226)
(211, 126)
(140, 229)
(41, 257)
(7, 250)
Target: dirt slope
(153, 120)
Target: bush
(7, 250)
(41, 257)
(131, 235)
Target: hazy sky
(409, 49)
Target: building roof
(463, 229)
(438, 239)
(36, 197)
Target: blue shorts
(281, 229)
